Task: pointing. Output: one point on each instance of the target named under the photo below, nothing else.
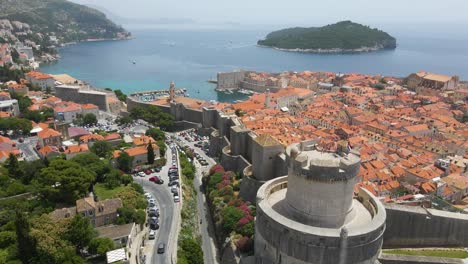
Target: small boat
(212, 81)
(134, 62)
(229, 92)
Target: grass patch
(103, 193)
(448, 253)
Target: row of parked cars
(173, 174)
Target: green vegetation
(124, 161)
(120, 95)
(19, 126)
(7, 74)
(150, 153)
(189, 251)
(158, 135)
(446, 253)
(101, 148)
(29, 235)
(100, 245)
(90, 119)
(153, 115)
(344, 35)
(233, 217)
(64, 19)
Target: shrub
(216, 169)
(100, 245)
(126, 179)
(231, 215)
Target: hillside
(63, 19)
(344, 36)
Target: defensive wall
(82, 95)
(402, 259)
(410, 226)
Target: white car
(176, 199)
(152, 234)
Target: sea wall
(411, 226)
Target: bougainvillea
(216, 168)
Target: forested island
(342, 37)
(58, 20)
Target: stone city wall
(402, 259)
(411, 226)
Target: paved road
(210, 254)
(27, 148)
(169, 214)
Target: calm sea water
(191, 57)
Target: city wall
(402, 259)
(409, 226)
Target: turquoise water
(190, 57)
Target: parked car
(176, 199)
(152, 234)
(154, 226)
(147, 172)
(161, 248)
(153, 179)
(153, 212)
(153, 220)
(174, 189)
(157, 169)
(172, 183)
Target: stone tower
(312, 216)
(172, 91)
(267, 98)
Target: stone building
(311, 216)
(99, 213)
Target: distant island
(57, 21)
(342, 37)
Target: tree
(13, 166)
(192, 250)
(124, 120)
(64, 181)
(156, 134)
(122, 97)
(162, 147)
(231, 215)
(100, 245)
(89, 119)
(150, 153)
(112, 179)
(124, 162)
(101, 148)
(80, 232)
(93, 164)
(26, 244)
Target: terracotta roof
(48, 132)
(38, 75)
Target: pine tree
(150, 153)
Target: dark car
(171, 183)
(154, 226)
(161, 248)
(157, 169)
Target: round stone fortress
(312, 215)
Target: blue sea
(192, 56)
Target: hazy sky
(300, 12)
